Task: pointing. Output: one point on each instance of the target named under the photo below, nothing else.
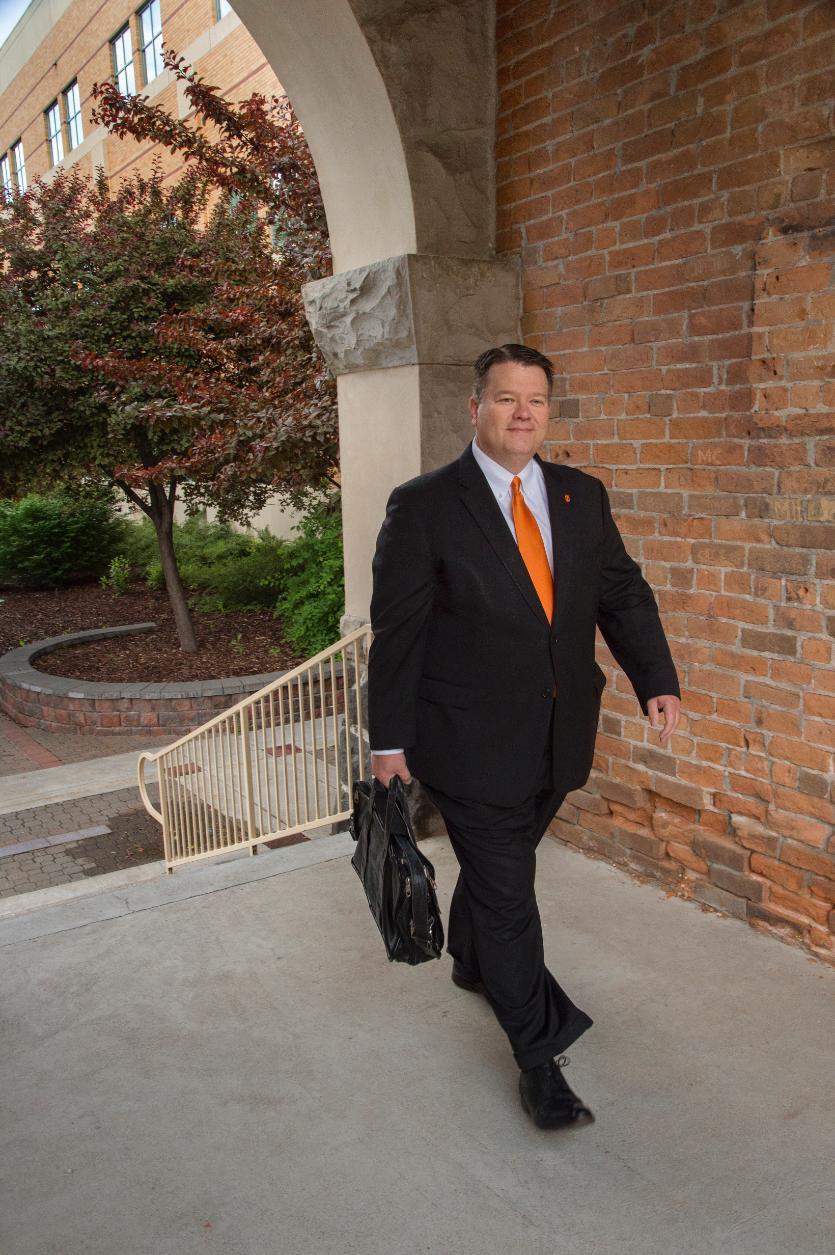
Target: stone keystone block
(413, 309)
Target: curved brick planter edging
(37, 700)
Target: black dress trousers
(494, 930)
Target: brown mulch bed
(242, 643)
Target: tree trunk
(162, 517)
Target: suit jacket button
(546, 692)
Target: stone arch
(397, 100)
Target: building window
(53, 133)
(223, 7)
(150, 40)
(19, 163)
(72, 112)
(6, 177)
(123, 62)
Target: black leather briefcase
(398, 880)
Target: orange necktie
(532, 548)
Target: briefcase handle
(396, 800)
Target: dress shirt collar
(499, 478)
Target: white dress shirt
(532, 483)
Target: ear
(473, 411)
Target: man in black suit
(490, 577)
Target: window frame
(54, 137)
(19, 166)
(151, 45)
(128, 66)
(6, 178)
(70, 118)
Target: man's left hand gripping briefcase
(398, 880)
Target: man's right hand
(384, 767)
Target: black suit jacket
(465, 670)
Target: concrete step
(64, 907)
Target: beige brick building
(60, 48)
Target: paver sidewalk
(30, 749)
(58, 790)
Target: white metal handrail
(281, 761)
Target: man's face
(511, 418)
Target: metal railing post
(248, 790)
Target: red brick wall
(667, 172)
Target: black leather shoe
(462, 978)
(548, 1098)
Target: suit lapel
(563, 536)
(478, 498)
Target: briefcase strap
(396, 801)
(421, 930)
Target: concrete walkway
(29, 790)
(223, 1061)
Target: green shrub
(138, 544)
(247, 580)
(224, 569)
(118, 575)
(47, 541)
(312, 600)
(200, 548)
(154, 577)
(204, 550)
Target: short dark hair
(509, 353)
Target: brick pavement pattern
(18, 752)
(32, 749)
(132, 836)
(83, 812)
(23, 750)
(40, 869)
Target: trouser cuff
(573, 1028)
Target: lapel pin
(568, 496)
